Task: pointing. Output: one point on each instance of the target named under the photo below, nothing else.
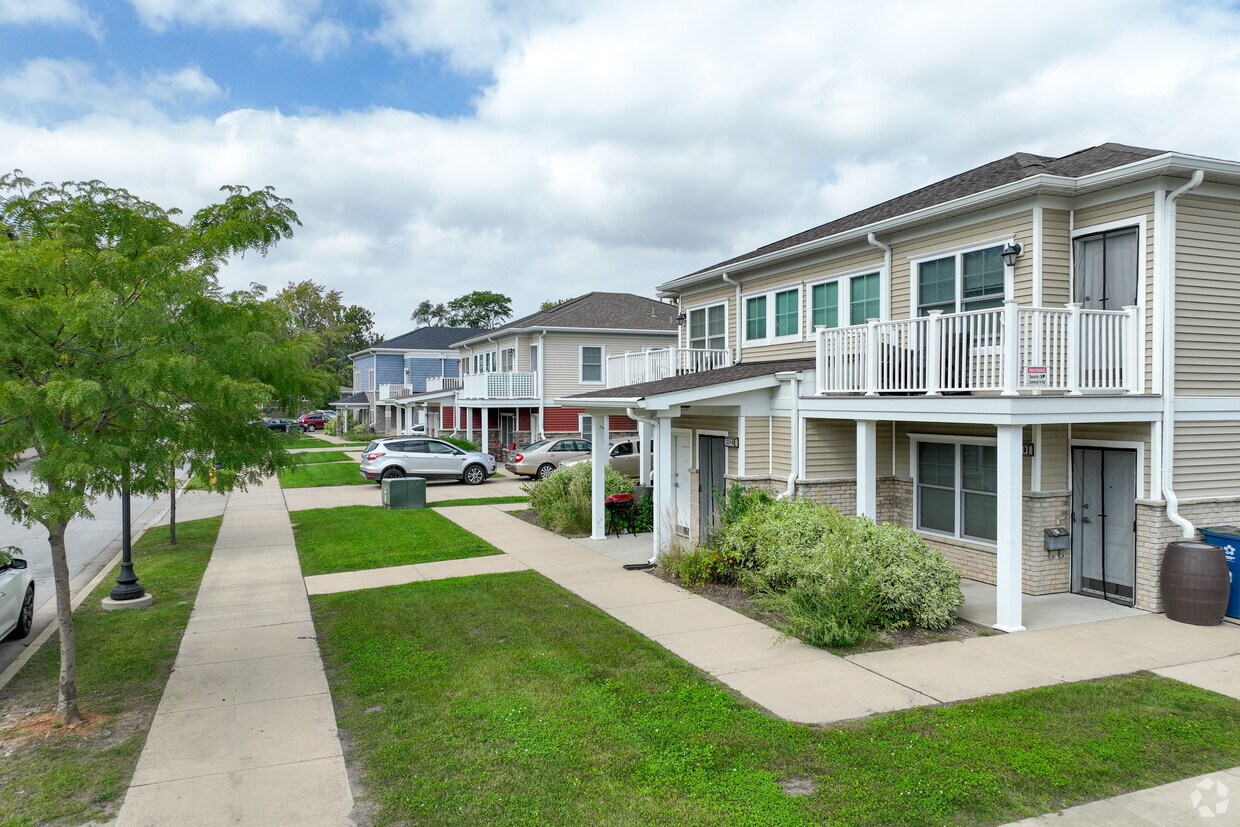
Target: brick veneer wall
(1042, 571)
(840, 494)
(1155, 531)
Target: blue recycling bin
(1227, 537)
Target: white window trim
(915, 441)
(584, 429)
(1009, 271)
(513, 366)
(581, 365)
(727, 336)
(844, 296)
(1114, 444)
(771, 338)
(1138, 221)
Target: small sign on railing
(1036, 377)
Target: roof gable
(598, 311)
(434, 337)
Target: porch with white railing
(652, 365)
(499, 386)
(443, 383)
(1009, 349)
(394, 391)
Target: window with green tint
(936, 487)
(825, 305)
(787, 313)
(957, 483)
(936, 286)
(755, 318)
(981, 279)
(863, 298)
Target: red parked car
(312, 421)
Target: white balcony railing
(652, 365)
(443, 383)
(394, 391)
(1010, 349)
(500, 386)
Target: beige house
(1035, 364)
(509, 376)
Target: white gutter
(794, 429)
(885, 285)
(728, 280)
(1167, 305)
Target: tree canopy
(120, 353)
(481, 308)
(340, 330)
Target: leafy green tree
(550, 303)
(341, 330)
(120, 354)
(481, 308)
(427, 314)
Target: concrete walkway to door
(806, 684)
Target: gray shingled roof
(601, 311)
(702, 379)
(431, 338)
(359, 398)
(988, 176)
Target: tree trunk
(66, 701)
(172, 513)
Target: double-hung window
(508, 360)
(708, 327)
(845, 300)
(484, 362)
(956, 489)
(772, 317)
(969, 280)
(591, 364)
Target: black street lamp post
(127, 586)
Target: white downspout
(1167, 306)
(795, 433)
(885, 284)
(727, 279)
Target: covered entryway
(682, 461)
(1104, 517)
(712, 465)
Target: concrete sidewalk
(245, 732)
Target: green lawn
(320, 457)
(358, 537)
(505, 699)
(324, 474)
(124, 660)
(479, 501)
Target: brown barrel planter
(1195, 583)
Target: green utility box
(404, 492)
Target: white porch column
(643, 459)
(1008, 553)
(664, 496)
(469, 424)
(344, 413)
(486, 428)
(598, 463)
(867, 461)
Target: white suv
(418, 456)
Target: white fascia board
(993, 410)
(610, 402)
(710, 393)
(593, 331)
(428, 396)
(1044, 184)
(1207, 408)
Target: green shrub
(463, 444)
(562, 500)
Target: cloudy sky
(547, 148)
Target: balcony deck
(653, 365)
(483, 386)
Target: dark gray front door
(1104, 516)
(712, 465)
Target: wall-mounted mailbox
(1057, 538)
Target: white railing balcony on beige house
(394, 391)
(443, 383)
(499, 386)
(652, 365)
(1009, 349)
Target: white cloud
(281, 16)
(49, 12)
(621, 146)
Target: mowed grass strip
(504, 699)
(320, 457)
(359, 537)
(480, 501)
(323, 474)
(124, 660)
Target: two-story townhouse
(1037, 346)
(397, 368)
(510, 375)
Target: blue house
(399, 367)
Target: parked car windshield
(534, 446)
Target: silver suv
(400, 456)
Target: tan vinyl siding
(757, 445)
(1207, 297)
(1054, 457)
(904, 443)
(1018, 225)
(725, 293)
(1207, 459)
(781, 448)
(884, 450)
(562, 361)
(1056, 258)
(717, 424)
(830, 448)
(1111, 211)
(1117, 432)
